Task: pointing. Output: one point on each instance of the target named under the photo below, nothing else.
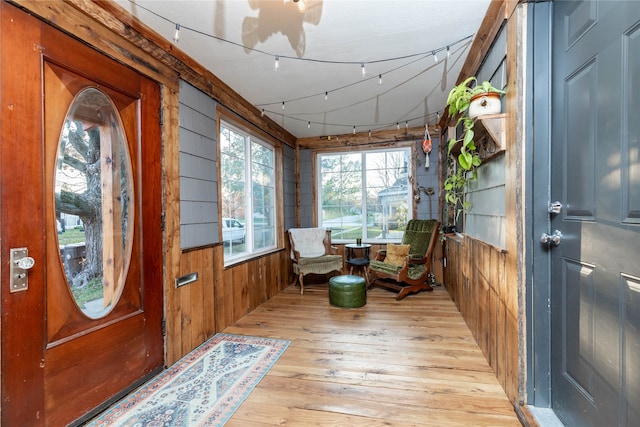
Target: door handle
(20, 264)
(551, 240)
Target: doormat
(204, 388)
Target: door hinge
(163, 221)
(161, 116)
(164, 327)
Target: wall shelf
(489, 136)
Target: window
(248, 194)
(365, 194)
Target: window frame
(251, 135)
(317, 183)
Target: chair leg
(411, 289)
(301, 284)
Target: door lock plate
(20, 264)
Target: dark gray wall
(198, 168)
(428, 177)
(306, 189)
(486, 220)
(289, 167)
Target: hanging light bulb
(282, 105)
(438, 116)
(354, 130)
(308, 125)
(276, 64)
(262, 113)
(380, 79)
(364, 71)
(406, 125)
(435, 58)
(397, 126)
(326, 96)
(369, 134)
(448, 52)
(176, 36)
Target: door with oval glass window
(96, 286)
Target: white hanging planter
(485, 103)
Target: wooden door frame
(538, 285)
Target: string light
(406, 125)
(416, 57)
(176, 36)
(378, 126)
(251, 49)
(276, 64)
(308, 125)
(326, 96)
(262, 113)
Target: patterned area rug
(204, 388)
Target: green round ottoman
(347, 291)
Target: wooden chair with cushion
(312, 253)
(406, 267)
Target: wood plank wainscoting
(475, 278)
(394, 363)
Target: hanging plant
(468, 158)
(426, 146)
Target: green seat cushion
(347, 282)
(347, 291)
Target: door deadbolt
(555, 207)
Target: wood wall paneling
(474, 277)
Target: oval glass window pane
(93, 199)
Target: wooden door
(60, 357)
(595, 173)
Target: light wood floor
(393, 363)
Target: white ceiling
(238, 40)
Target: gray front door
(595, 174)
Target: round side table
(358, 256)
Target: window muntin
(248, 194)
(365, 194)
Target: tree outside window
(247, 192)
(365, 194)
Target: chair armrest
(333, 250)
(381, 255)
